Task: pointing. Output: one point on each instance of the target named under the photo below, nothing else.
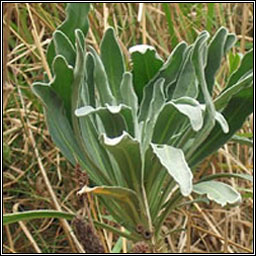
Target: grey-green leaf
(101, 81)
(58, 124)
(209, 118)
(62, 83)
(129, 97)
(223, 99)
(190, 108)
(219, 192)
(242, 140)
(187, 84)
(91, 97)
(230, 41)
(64, 47)
(126, 152)
(115, 119)
(215, 54)
(174, 161)
(77, 18)
(146, 63)
(245, 65)
(236, 112)
(169, 71)
(175, 114)
(113, 61)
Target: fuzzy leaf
(126, 152)
(113, 61)
(242, 140)
(209, 118)
(174, 161)
(223, 99)
(146, 63)
(62, 83)
(58, 124)
(101, 80)
(77, 18)
(245, 66)
(156, 104)
(187, 84)
(169, 71)
(115, 119)
(173, 115)
(91, 97)
(220, 119)
(219, 192)
(228, 175)
(129, 97)
(235, 113)
(126, 197)
(64, 47)
(230, 42)
(90, 137)
(215, 55)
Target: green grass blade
(174, 39)
(210, 16)
(30, 215)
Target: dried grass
(36, 176)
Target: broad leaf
(77, 18)
(245, 66)
(119, 193)
(235, 113)
(230, 42)
(62, 84)
(146, 63)
(219, 192)
(169, 71)
(129, 97)
(126, 152)
(79, 77)
(62, 133)
(242, 140)
(233, 61)
(174, 161)
(220, 119)
(115, 119)
(157, 102)
(96, 151)
(187, 84)
(91, 97)
(222, 122)
(215, 55)
(223, 99)
(64, 47)
(58, 123)
(126, 197)
(227, 175)
(113, 61)
(209, 119)
(173, 115)
(101, 81)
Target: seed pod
(87, 237)
(140, 228)
(147, 234)
(141, 247)
(81, 177)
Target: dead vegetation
(36, 176)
